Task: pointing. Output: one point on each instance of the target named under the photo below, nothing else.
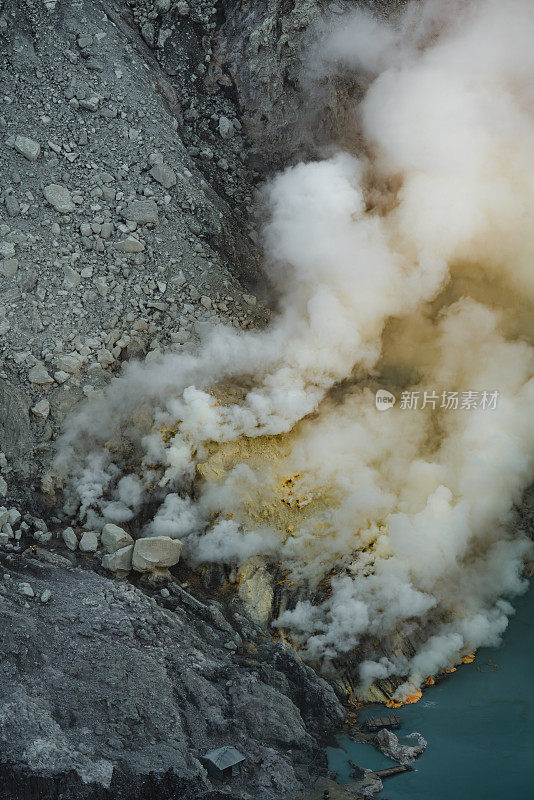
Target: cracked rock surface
(103, 679)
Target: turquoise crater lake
(479, 725)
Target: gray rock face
(16, 437)
(103, 678)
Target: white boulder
(114, 538)
(89, 542)
(120, 561)
(70, 538)
(156, 552)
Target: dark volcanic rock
(102, 680)
(17, 783)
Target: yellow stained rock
(469, 658)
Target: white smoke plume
(404, 262)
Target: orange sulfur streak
(414, 697)
(469, 658)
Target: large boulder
(70, 538)
(156, 552)
(114, 538)
(89, 542)
(119, 562)
(256, 590)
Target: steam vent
(266, 395)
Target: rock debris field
(127, 222)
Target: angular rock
(14, 516)
(142, 211)
(130, 245)
(26, 590)
(114, 538)
(39, 375)
(12, 206)
(90, 103)
(120, 561)
(16, 437)
(256, 590)
(7, 249)
(156, 552)
(28, 148)
(41, 409)
(226, 128)
(59, 198)
(70, 538)
(9, 267)
(89, 542)
(72, 278)
(164, 175)
(85, 40)
(27, 280)
(69, 363)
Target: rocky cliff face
(103, 680)
(126, 201)
(132, 138)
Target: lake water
(479, 725)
